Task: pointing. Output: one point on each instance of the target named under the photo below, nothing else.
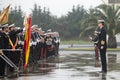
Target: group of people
(42, 45)
(100, 42)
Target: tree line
(78, 23)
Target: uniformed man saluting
(14, 56)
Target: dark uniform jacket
(6, 40)
(1, 40)
(102, 38)
(13, 35)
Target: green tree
(111, 15)
(89, 25)
(70, 23)
(15, 16)
(75, 18)
(41, 17)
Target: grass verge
(76, 42)
(88, 49)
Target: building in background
(111, 2)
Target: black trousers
(14, 56)
(3, 64)
(2, 67)
(103, 59)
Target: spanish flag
(27, 41)
(4, 15)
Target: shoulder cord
(11, 43)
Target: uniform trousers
(103, 59)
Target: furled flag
(4, 15)
(25, 23)
(27, 41)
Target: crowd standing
(42, 45)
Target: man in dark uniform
(1, 60)
(95, 40)
(3, 45)
(13, 55)
(102, 44)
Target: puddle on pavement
(73, 65)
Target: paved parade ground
(74, 65)
(42, 40)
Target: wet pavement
(73, 65)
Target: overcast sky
(57, 7)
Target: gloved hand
(1, 52)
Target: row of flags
(27, 24)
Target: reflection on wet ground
(73, 65)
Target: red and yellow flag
(4, 15)
(27, 41)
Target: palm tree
(111, 15)
(89, 24)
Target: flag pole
(27, 41)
